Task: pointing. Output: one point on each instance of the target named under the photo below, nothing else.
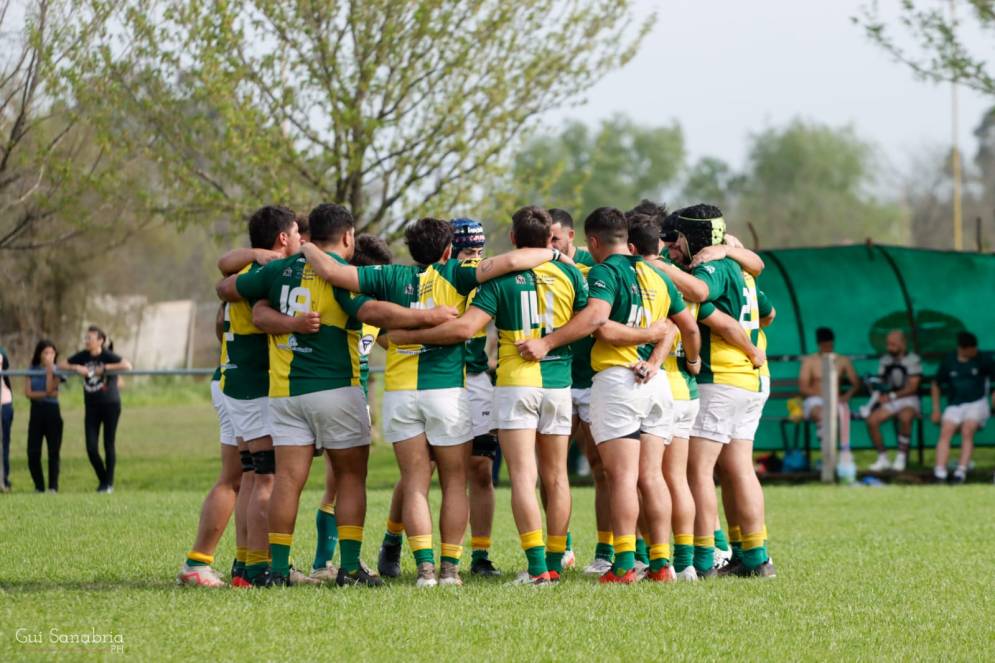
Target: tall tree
(580, 168)
(394, 108)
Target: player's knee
(264, 462)
(485, 446)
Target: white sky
(727, 68)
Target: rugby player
(315, 396)
(631, 405)
(426, 410)
(531, 400)
(728, 384)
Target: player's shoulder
(583, 257)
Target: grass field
(894, 573)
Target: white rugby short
(978, 411)
(809, 404)
(897, 405)
(728, 413)
(547, 411)
(480, 391)
(329, 419)
(443, 415)
(622, 408)
(250, 418)
(224, 421)
(685, 412)
(582, 403)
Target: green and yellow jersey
(306, 363)
(533, 304)
(367, 339)
(449, 283)
(476, 348)
(683, 385)
(764, 307)
(244, 360)
(639, 295)
(581, 372)
(734, 292)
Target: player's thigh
(736, 459)
(675, 459)
(703, 454)
(968, 429)
(349, 462)
(414, 459)
(518, 449)
(621, 458)
(652, 450)
(293, 463)
(452, 462)
(907, 414)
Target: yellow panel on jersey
(682, 384)
(245, 365)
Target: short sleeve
(912, 364)
(705, 309)
(943, 371)
(580, 289)
(676, 299)
(373, 280)
(350, 302)
(486, 298)
(109, 357)
(602, 284)
(763, 303)
(712, 276)
(79, 359)
(465, 276)
(253, 285)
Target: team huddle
(647, 349)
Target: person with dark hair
(425, 402)
(98, 366)
(810, 385)
(528, 399)
(46, 420)
(316, 400)
(894, 393)
(631, 403)
(6, 419)
(731, 387)
(964, 377)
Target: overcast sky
(727, 68)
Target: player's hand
(81, 370)
(533, 349)
(694, 368)
(440, 314)
(310, 251)
(660, 329)
(758, 357)
(733, 242)
(399, 337)
(566, 260)
(710, 253)
(935, 416)
(308, 323)
(264, 256)
(645, 371)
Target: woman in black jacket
(46, 419)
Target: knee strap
(485, 445)
(247, 464)
(264, 462)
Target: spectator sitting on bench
(963, 376)
(810, 385)
(895, 392)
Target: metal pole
(955, 151)
(830, 416)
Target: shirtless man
(810, 385)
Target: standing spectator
(6, 418)
(810, 384)
(895, 393)
(963, 376)
(46, 420)
(101, 398)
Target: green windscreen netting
(862, 292)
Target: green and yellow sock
(394, 533)
(480, 545)
(704, 553)
(556, 546)
(642, 552)
(451, 553)
(279, 551)
(195, 558)
(351, 537)
(421, 548)
(605, 548)
(256, 563)
(535, 552)
(683, 551)
(328, 536)
(754, 550)
(570, 541)
(240, 555)
(736, 542)
(659, 556)
(721, 542)
(625, 554)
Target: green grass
(894, 573)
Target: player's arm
(615, 333)
(219, 322)
(693, 288)
(934, 392)
(236, 260)
(585, 323)
(338, 274)
(273, 322)
(516, 261)
(250, 285)
(768, 319)
(227, 292)
(748, 260)
(690, 339)
(388, 315)
(647, 370)
(911, 388)
(455, 331)
(734, 334)
(850, 373)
